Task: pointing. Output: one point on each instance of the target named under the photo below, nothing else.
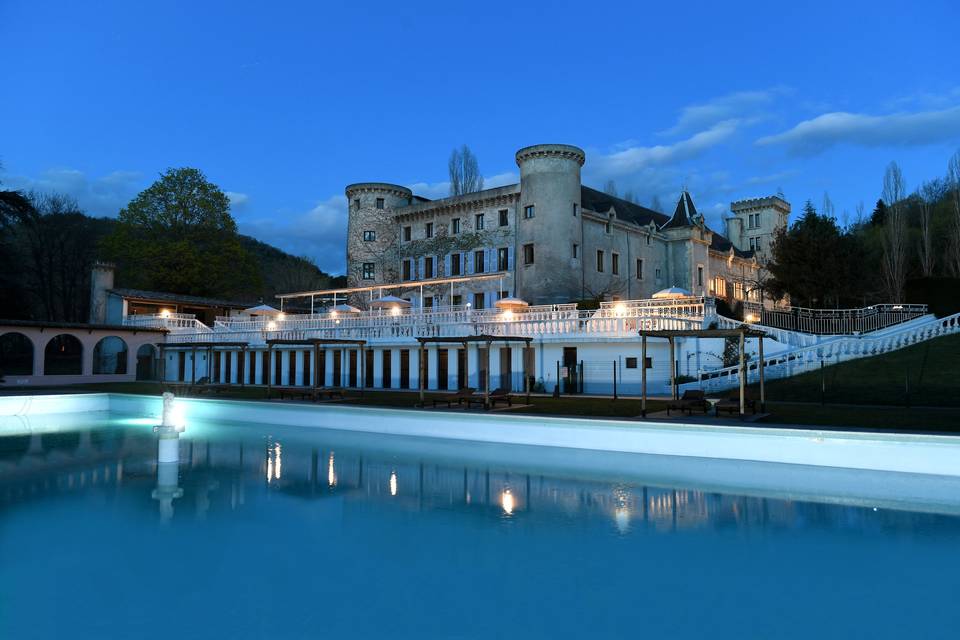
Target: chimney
(101, 281)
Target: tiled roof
(601, 203)
(162, 296)
(685, 214)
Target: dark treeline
(907, 247)
(48, 246)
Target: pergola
(742, 333)
(465, 340)
(335, 294)
(315, 344)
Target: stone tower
(550, 184)
(372, 233)
(754, 223)
(101, 281)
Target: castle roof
(602, 202)
(685, 214)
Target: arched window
(62, 357)
(110, 356)
(16, 354)
(147, 362)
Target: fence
(835, 321)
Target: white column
(327, 356)
(494, 366)
(298, 364)
(473, 365)
(377, 368)
(516, 366)
(395, 368)
(414, 368)
(452, 360)
(433, 362)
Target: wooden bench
(731, 403)
(501, 394)
(460, 395)
(691, 399)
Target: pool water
(287, 532)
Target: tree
(15, 209)
(610, 188)
(894, 234)
(178, 236)
(879, 215)
(928, 195)
(464, 172)
(813, 262)
(655, 203)
(953, 184)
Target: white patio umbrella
(390, 302)
(512, 304)
(672, 292)
(343, 308)
(262, 310)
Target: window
(503, 218)
(528, 254)
(630, 363)
(658, 274)
(503, 294)
(456, 300)
(639, 268)
(356, 203)
(615, 264)
(648, 238)
(528, 211)
(503, 259)
(648, 363)
(599, 261)
(407, 233)
(719, 287)
(606, 227)
(369, 236)
(455, 226)
(478, 222)
(576, 209)
(478, 300)
(428, 302)
(576, 250)
(407, 269)
(699, 275)
(455, 264)
(738, 290)
(379, 203)
(478, 261)
(428, 267)
(428, 228)
(368, 270)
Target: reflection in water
(393, 483)
(274, 461)
(621, 514)
(331, 472)
(506, 501)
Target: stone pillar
(473, 365)
(415, 367)
(377, 368)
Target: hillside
(924, 374)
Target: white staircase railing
(831, 350)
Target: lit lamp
(168, 457)
(507, 502)
(165, 313)
(620, 309)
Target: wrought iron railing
(834, 321)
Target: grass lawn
(931, 368)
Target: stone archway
(110, 356)
(147, 362)
(63, 356)
(16, 354)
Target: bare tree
(894, 234)
(928, 195)
(610, 188)
(828, 209)
(859, 220)
(953, 244)
(655, 203)
(464, 172)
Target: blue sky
(282, 104)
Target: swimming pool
(294, 531)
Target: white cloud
(900, 129)
(102, 196)
(237, 200)
(744, 105)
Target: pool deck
(899, 452)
